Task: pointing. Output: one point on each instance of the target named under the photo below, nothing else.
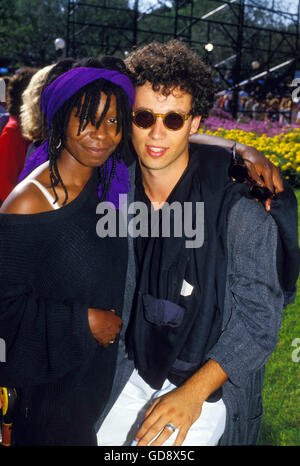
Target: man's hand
(105, 325)
(178, 407)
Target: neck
(159, 184)
(71, 171)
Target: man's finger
(165, 433)
(181, 437)
(149, 432)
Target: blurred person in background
(273, 110)
(4, 115)
(258, 109)
(285, 110)
(13, 145)
(31, 112)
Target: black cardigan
(53, 267)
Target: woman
(59, 282)
(31, 113)
(13, 145)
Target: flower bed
(281, 145)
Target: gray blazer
(252, 318)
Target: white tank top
(46, 193)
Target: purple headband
(56, 94)
(66, 85)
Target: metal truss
(244, 51)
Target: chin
(154, 164)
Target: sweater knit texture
(53, 268)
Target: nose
(158, 130)
(99, 133)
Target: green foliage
(28, 29)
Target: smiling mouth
(156, 151)
(96, 150)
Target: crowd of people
(136, 339)
(255, 106)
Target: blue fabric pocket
(162, 312)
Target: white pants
(126, 416)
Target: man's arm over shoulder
(254, 298)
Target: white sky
(284, 5)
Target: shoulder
(249, 221)
(11, 127)
(212, 150)
(211, 157)
(26, 198)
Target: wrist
(206, 380)
(241, 149)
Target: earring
(58, 145)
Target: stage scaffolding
(244, 53)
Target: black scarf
(170, 334)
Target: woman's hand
(105, 325)
(261, 170)
(179, 407)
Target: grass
(281, 394)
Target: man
(205, 319)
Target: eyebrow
(168, 111)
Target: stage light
(209, 47)
(59, 44)
(255, 65)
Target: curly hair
(31, 112)
(173, 65)
(17, 85)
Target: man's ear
(195, 124)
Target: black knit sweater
(53, 267)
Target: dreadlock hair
(86, 102)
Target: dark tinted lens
(144, 119)
(174, 121)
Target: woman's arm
(260, 169)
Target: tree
(28, 29)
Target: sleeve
(12, 154)
(254, 298)
(42, 339)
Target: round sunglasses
(172, 120)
